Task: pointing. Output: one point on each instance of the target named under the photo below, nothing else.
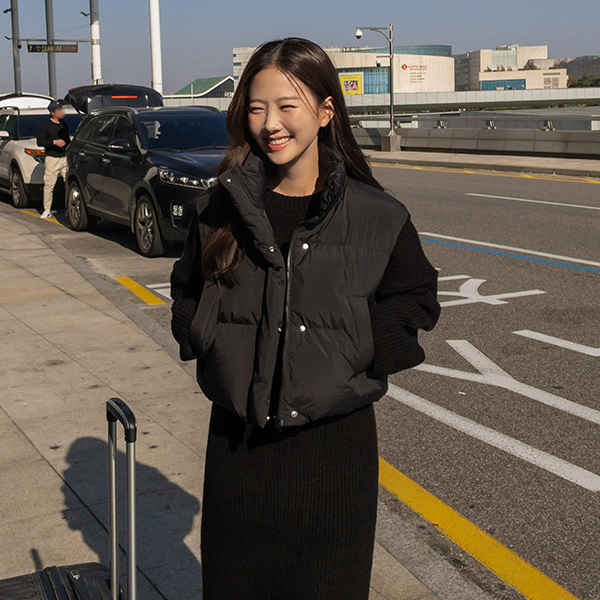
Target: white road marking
(553, 464)
(522, 250)
(534, 335)
(452, 277)
(469, 291)
(535, 201)
(491, 374)
(164, 289)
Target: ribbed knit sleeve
(187, 282)
(405, 301)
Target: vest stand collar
(247, 186)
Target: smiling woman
(301, 286)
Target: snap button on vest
(271, 248)
(294, 413)
(302, 328)
(305, 246)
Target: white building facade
(510, 67)
(366, 70)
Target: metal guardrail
(490, 123)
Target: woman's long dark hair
(308, 63)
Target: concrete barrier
(581, 144)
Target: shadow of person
(165, 516)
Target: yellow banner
(352, 83)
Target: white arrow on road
(491, 374)
(469, 292)
(534, 335)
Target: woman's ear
(326, 111)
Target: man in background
(53, 136)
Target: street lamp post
(95, 37)
(155, 46)
(389, 36)
(16, 43)
(53, 89)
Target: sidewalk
(571, 167)
(66, 349)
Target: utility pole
(53, 88)
(155, 46)
(16, 43)
(95, 36)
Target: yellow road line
(139, 290)
(34, 214)
(490, 173)
(505, 563)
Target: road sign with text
(52, 47)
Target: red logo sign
(404, 67)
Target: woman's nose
(272, 124)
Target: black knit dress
(290, 514)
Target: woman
(301, 287)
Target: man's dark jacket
(355, 278)
(48, 132)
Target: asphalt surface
(547, 513)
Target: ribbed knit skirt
(289, 515)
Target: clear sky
(198, 37)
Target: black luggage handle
(117, 410)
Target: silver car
(21, 159)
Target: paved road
(550, 521)
(502, 427)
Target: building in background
(364, 71)
(208, 87)
(510, 67)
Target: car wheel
(146, 228)
(79, 218)
(17, 189)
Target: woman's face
(284, 118)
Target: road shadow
(104, 229)
(165, 516)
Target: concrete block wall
(507, 141)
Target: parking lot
(500, 425)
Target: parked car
(21, 159)
(143, 168)
(25, 100)
(87, 98)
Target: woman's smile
(278, 143)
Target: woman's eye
(285, 106)
(255, 109)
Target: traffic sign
(52, 47)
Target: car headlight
(37, 154)
(175, 178)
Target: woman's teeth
(279, 141)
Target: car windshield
(182, 132)
(29, 124)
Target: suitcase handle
(117, 410)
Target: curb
(487, 167)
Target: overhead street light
(389, 36)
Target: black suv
(143, 168)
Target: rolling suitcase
(92, 581)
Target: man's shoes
(46, 215)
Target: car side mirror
(4, 135)
(120, 146)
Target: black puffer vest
(318, 295)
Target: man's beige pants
(53, 167)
